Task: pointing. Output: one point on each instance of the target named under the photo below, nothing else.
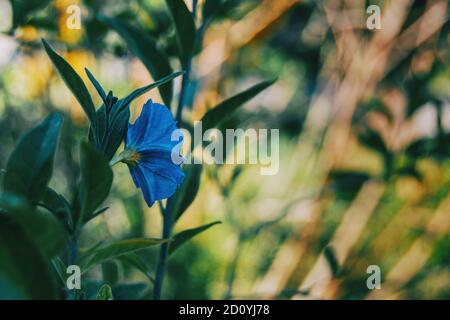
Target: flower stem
(163, 253)
(167, 212)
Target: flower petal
(157, 175)
(155, 125)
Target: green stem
(167, 212)
(163, 253)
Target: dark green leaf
(145, 48)
(330, 256)
(135, 261)
(30, 165)
(97, 85)
(44, 229)
(75, 84)
(181, 238)
(187, 192)
(24, 272)
(345, 184)
(223, 110)
(421, 148)
(210, 7)
(58, 205)
(22, 10)
(138, 92)
(105, 293)
(373, 140)
(96, 181)
(110, 271)
(119, 248)
(185, 28)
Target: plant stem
(163, 253)
(167, 212)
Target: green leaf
(116, 133)
(118, 249)
(138, 92)
(58, 205)
(30, 165)
(373, 140)
(187, 192)
(145, 48)
(224, 109)
(75, 84)
(24, 272)
(95, 184)
(44, 229)
(105, 293)
(181, 238)
(135, 261)
(185, 28)
(22, 10)
(96, 84)
(110, 272)
(210, 7)
(330, 256)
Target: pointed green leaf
(224, 109)
(96, 84)
(105, 293)
(58, 205)
(187, 192)
(138, 263)
(185, 28)
(30, 165)
(145, 48)
(119, 248)
(96, 181)
(75, 84)
(181, 238)
(24, 272)
(330, 256)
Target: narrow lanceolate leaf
(138, 92)
(145, 48)
(185, 28)
(187, 192)
(224, 109)
(30, 165)
(116, 132)
(118, 249)
(96, 181)
(330, 256)
(24, 272)
(105, 293)
(96, 84)
(74, 82)
(181, 238)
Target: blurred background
(364, 120)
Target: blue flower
(152, 152)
